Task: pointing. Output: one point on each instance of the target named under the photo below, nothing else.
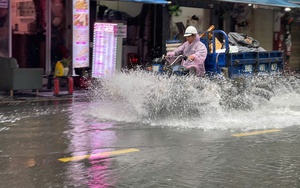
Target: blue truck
(223, 61)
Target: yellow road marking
(103, 154)
(256, 132)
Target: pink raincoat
(197, 49)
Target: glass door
(4, 28)
(38, 33)
(57, 32)
(28, 33)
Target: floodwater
(142, 130)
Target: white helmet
(190, 30)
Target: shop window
(25, 9)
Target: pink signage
(80, 33)
(105, 49)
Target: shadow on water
(205, 103)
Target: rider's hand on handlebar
(191, 58)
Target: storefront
(43, 31)
(31, 40)
(278, 30)
(144, 31)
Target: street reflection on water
(182, 126)
(88, 138)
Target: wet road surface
(56, 144)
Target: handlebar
(177, 58)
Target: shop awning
(295, 1)
(149, 1)
(275, 3)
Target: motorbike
(162, 66)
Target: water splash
(205, 103)
(23, 112)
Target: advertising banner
(80, 33)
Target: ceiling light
(287, 9)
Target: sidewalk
(25, 96)
(45, 94)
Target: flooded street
(138, 130)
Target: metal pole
(9, 30)
(166, 27)
(154, 36)
(48, 37)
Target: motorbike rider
(194, 50)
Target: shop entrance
(4, 28)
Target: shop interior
(30, 31)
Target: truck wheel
(192, 71)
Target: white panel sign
(105, 43)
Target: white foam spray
(192, 102)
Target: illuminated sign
(106, 41)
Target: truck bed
(242, 63)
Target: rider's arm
(176, 52)
(200, 52)
(179, 50)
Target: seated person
(194, 50)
